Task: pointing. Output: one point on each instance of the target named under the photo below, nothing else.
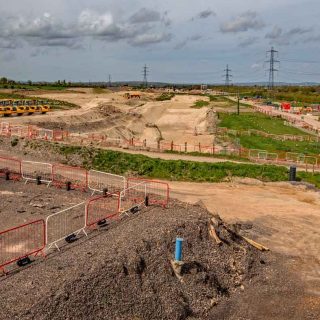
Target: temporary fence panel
(4, 128)
(132, 197)
(254, 153)
(99, 181)
(11, 167)
(22, 241)
(19, 131)
(45, 134)
(157, 191)
(59, 135)
(77, 177)
(102, 208)
(36, 171)
(310, 160)
(295, 157)
(65, 223)
(272, 156)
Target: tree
(3, 80)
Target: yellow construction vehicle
(43, 108)
(6, 108)
(30, 107)
(18, 107)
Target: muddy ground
(124, 272)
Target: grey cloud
(183, 43)
(248, 42)
(275, 33)
(206, 14)
(46, 31)
(246, 21)
(279, 37)
(9, 44)
(150, 38)
(145, 15)
(312, 39)
(298, 31)
(45, 27)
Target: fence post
(186, 147)
(171, 145)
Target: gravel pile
(124, 271)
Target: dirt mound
(107, 109)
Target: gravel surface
(124, 272)
(21, 203)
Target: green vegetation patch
(165, 96)
(257, 121)
(200, 104)
(270, 145)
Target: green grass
(270, 145)
(257, 121)
(200, 104)
(165, 96)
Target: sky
(183, 41)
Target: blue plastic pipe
(178, 253)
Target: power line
(109, 80)
(145, 72)
(272, 62)
(228, 76)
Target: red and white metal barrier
(295, 157)
(77, 177)
(157, 191)
(65, 223)
(21, 242)
(102, 208)
(59, 135)
(45, 134)
(134, 196)
(10, 168)
(4, 128)
(99, 181)
(19, 131)
(36, 171)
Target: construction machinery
(21, 107)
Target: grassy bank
(178, 170)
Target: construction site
(153, 204)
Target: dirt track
(142, 119)
(289, 217)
